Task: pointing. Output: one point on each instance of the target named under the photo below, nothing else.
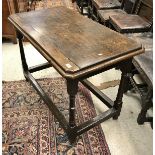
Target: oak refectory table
(77, 48)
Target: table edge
(76, 73)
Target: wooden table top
(73, 43)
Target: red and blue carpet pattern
(29, 128)
(52, 3)
(43, 4)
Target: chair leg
(146, 101)
(89, 9)
(146, 104)
(142, 116)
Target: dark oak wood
(126, 69)
(39, 67)
(77, 48)
(72, 89)
(56, 41)
(106, 100)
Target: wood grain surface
(72, 41)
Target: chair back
(145, 10)
(129, 6)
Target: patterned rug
(42, 4)
(29, 128)
(52, 3)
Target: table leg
(72, 89)
(22, 54)
(81, 4)
(126, 69)
(58, 115)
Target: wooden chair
(144, 67)
(139, 22)
(126, 7)
(144, 64)
(94, 5)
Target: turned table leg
(22, 54)
(72, 89)
(126, 69)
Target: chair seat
(146, 39)
(144, 64)
(106, 4)
(127, 23)
(105, 14)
